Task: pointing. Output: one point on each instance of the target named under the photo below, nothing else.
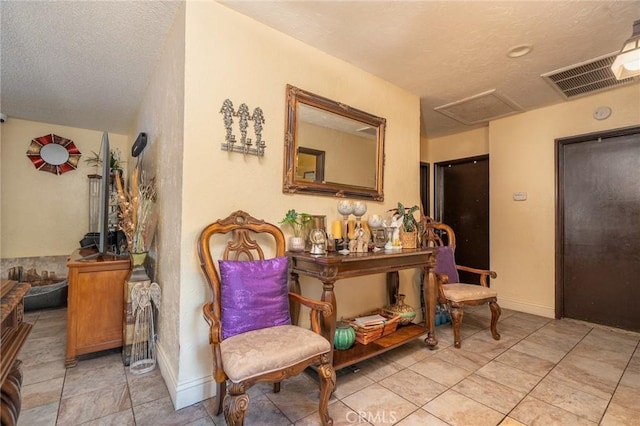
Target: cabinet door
(99, 310)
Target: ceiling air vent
(480, 108)
(585, 78)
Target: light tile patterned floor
(541, 372)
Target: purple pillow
(446, 263)
(254, 295)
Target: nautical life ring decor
(54, 154)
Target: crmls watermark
(371, 417)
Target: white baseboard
(184, 394)
(529, 308)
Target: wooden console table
(332, 267)
(95, 304)
(14, 334)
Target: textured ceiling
(446, 51)
(80, 64)
(87, 64)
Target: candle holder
(245, 145)
(359, 209)
(378, 234)
(345, 208)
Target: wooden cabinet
(95, 304)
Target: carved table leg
(393, 285)
(294, 287)
(329, 323)
(430, 304)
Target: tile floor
(542, 372)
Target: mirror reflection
(54, 154)
(332, 149)
(310, 164)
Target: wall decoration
(54, 154)
(245, 145)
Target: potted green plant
(298, 223)
(410, 226)
(114, 160)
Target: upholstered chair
(251, 333)
(455, 294)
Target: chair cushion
(253, 295)
(270, 349)
(464, 292)
(446, 263)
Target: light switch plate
(519, 196)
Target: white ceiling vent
(585, 78)
(480, 108)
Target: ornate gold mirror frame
(351, 143)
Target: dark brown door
(462, 202)
(599, 228)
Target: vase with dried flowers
(138, 216)
(138, 220)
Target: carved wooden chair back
(437, 234)
(279, 351)
(241, 229)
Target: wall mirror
(332, 149)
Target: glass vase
(297, 244)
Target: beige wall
(44, 214)
(521, 149)
(228, 55)
(161, 117)
(460, 145)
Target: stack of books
(373, 325)
(370, 320)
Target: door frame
(425, 182)
(439, 174)
(560, 143)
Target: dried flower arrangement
(138, 211)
